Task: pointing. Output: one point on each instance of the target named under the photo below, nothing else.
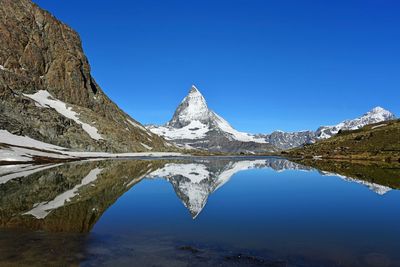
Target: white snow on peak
(376, 115)
(43, 209)
(44, 99)
(193, 120)
(193, 107)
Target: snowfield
(194, 130)
(45, 100)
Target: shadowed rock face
(38, 52)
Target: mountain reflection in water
(48, 212)
(72, 197)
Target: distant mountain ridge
(287, 140)
(194, 125)
(377, 114)
(378, 141)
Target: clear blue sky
(263, 65)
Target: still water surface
(200, 212)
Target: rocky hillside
(194, 125)
(48, 93)
(380, 141)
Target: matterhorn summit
(194, 125)
(192, 108)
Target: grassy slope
(379, 141)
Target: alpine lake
(201, 211)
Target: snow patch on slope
(44, 99)
(146, 146)
(134, 124)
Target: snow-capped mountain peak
(194, 125)
(375, 115)
(193, 107)
(379, 113)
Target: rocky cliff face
(38, 53)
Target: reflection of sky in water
(289, 212)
